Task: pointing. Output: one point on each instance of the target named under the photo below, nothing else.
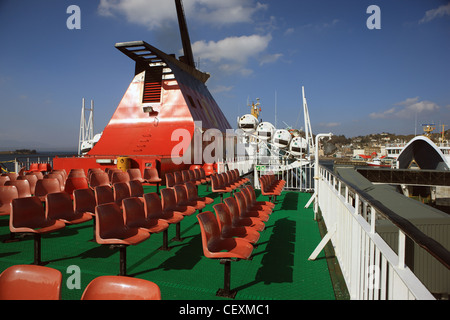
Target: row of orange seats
(271, 186)
(30, 282)
(234, 231)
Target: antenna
(308, 131)
(187, 48)
(86, 127)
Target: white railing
(371, 269)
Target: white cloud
(330, 124)
(436, 13)
(407, 109)
(232, 53)
(156, 13)
(269, 58)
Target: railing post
(401, 249)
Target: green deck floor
(279, 270)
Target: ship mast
(187, 48)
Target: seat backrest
(247, 197)
(185, 175)
(32, 179)
(252, 193)
(62, 172)
(136, 188)
(121, 288)
(240, 202)
(133, 210)
(191, 190)
(108, 219)
(30, 282)
(151, 174)
(26, 212)
(134, 174)
(84, 200)
(223, 215)
(121, 191)
(170, 179)
(178, 177)
(3, 179)
(56, 175)
(103, 194)
(215, 185)
(23, 187)
(7, 194)
(209, 229)
(153, 206)
(119, 176)
(73, 183)
(233, 207)
(168, 199)
(180, 194)
(45, 186)
(76, 172)
(58, 205)
(98, 178)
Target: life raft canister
(123, 163)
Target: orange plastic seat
(121, 191)
(110, 229)
(239, 221)
(228, 230)
(217, 187)
(254, 201)
(98, 178)
(33, 167)
(73, 183)
(44, 167)
(30, 282)
(227, 249)
(121, 288)
(244, 210)
(32, 179)
(252, 206)
(224, 181)
(135, 217)
(178, 178)
(7, 194)
(28, 216)
(76, 173)
(151, 176)
(84, 202)
(46, 186)
(198, 176)
(23, 187)
(192, 194)
(3, 179)
(136, 188)
(183, 202)
(62, 172)
(58, 176)
(103, 194)
(135, 174)
(238, 176)
(119, 176)
(59, 206)
(154, 210)
(170, 180)
(169, 204)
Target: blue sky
(357, 80)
